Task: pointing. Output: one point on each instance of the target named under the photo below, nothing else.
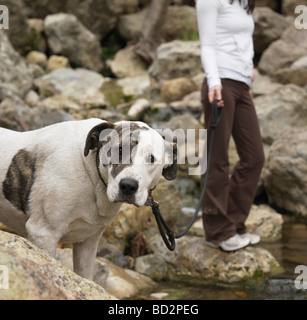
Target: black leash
(167, 234)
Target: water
(290, 251)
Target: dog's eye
(151, 159)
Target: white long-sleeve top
(226, 37)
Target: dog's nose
(128, 186)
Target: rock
(125, 283)
(263, 85)
(127, 64)
(286, 171)
(191, 101)
(14, 73)
(135, 86)
(18, 31)
(138, 108)
(98, 16)
(152, 265)
(80, 85)
(57, 62)
(34, 275)
(283, 52)
(264, 221)
(269, 27)
(273, 4)
(180, 24)
(295, 75)
(60, 103)
(288, 6)
(193, 260)
(16, 115)
(32, 98)
(118, 282)
(176, 59)
(36, 24)
(283, 109)
(69, 37)
(38, 58)
(176, 89)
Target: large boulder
(18, 31)
(296, 73)
(283, 52)
(176, 59)
(286, 171)
(193, 260)
(80, 85)
(280, 110)
(127, 64)
(34, 275)
(67, 36)
(180, 23)
(16, 115)
(14, 73)
(269, 26)
(288, 6)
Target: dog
(61, 184)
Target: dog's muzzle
(128, 186)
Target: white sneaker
(232, 244)
(253, 238)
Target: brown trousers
(228, 199)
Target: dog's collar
(98, 169)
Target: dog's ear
(92, 140)
(170, 172)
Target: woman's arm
(207, 12)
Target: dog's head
(132, 157)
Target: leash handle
(217, 113)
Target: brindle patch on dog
(127, 136)
(19, 179)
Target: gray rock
(127, 64)
(193, 260)
(283, 52)
(18, 31)
(80, 85)
(269, 26)
(152, 265)
(283, 109)
(286, 171)
(14, 73)
(16, 115)
(176, 59)
(66, 35)
(34, 275)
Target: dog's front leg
(84, 254)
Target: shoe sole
(217, 246)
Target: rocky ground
(53, 68)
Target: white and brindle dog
(57, 187)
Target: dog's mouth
(127, 199)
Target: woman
(225, 29)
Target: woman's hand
(216, 93)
